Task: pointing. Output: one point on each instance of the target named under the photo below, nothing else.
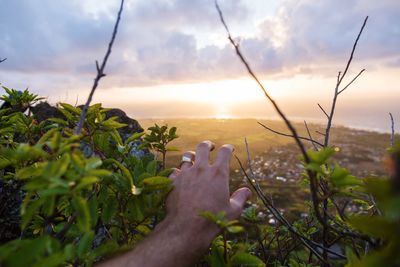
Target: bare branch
(311, 174)
(392, 124)
(309, 135)
(355, 78)
(97, 66)
(323, 110)
(249, 159)
(252, 74)
(318, 132)
(275, 212)
(100, 72)
(339, 81)
(289, 135)
(2, 60)
(353, 50)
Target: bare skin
(183, 236)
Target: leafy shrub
(83, 196)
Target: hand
(199, 187)
(183, 236)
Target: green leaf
(112, 124)
(30, 210)
(244, 259)
(53, 191)
(29, 172)
(93, 163)
(126, 173)
(86, 181)
(134, 137)
(156, 183)
(58, 121)
(83, 214)
(85, 243)
(165, 173)
(235, 229)
(93, 208)
(71, 109)
(172, 148)
(320, 157)
(151, 168)
(109, 209)
(340, 177)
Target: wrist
(196, 232)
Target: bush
(82, 197)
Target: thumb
(238, 199)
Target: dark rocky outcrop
(44, 110)
(132, 125)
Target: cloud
(158, 41)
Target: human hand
(199, 186)
(183, 236)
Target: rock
(132, 125)
(11, 196)
(44, 110)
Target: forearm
(170, 244)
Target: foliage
(19, 100)
(229, 253)
(83, 196)
(159, 138)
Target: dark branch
(100, 72)
(323, 110)
(392, 124)
(289, 135)
(275, 212)
(311, 174)
(2, 60)
(353, 50)
(355, 78)
(309, 135)
(340, 78)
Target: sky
(172, 58)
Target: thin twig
(100, 72)
(267, 203)
(311, 174)
(392, 124)
(338, 83)
(252, 74)
(323, 110)
(355, 78)
(254, 183)
(309, 135)
(249, 158)
(289, 135)
(2, 60)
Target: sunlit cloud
(177, 49)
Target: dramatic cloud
(53, 44)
